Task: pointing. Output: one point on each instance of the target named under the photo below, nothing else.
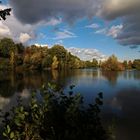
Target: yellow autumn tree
(12, 59)
(55, 63)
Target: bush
(4, 64)
(56, 116)
(112, 64)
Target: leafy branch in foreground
(4, 13)
(55, 116)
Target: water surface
(121, 93)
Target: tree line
(32, 57)
(14, 56)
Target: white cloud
(21, 32)
(24, 37)
(113, 31)
(128, 11)
(60, 42)
(101, 31)
(64, 35)
(87, 54)
(53, 22)
(42, 45)
(4, 31)
(93, 26)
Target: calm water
(121, 93)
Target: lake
(121, 92)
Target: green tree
(20, 48)
(129, 64)
(125, 64)
(136, 64)
(36, 60)
(94, 63)
(88, 64)
(47, 61)
(60, 52)
(6, 45)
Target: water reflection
(121, 92)
(17, 82)
(111, 77)
(127, 103)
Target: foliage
(6, 45)
(125, 64)
(4, 64)
(56, 116)
(112, 64)
(47, 61)
(55, 63)
(12, 59)
(36, 60)
(4, 13)
(59, 52)
(136, 64)
(95, 63)
(39, 58)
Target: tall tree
(6, 45)
(112, 64)
(94, 63)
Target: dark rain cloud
(134, 47)
(32, 11)
(128, 11)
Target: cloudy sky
(87, 28)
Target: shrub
(56, 116)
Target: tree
(125, 64)
(112, 64)
(55, 63)
(36, 60)
(136, 64)
(88, 64)
(129, 64)
(12, 59)
(94, 63)
(47, 61)
(60, 52)
(20, 48)
(6, 45)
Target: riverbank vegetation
(55, 116)
(15, 56)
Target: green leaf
(17, 122)
(12, 135)
(22, 116)
(8, 129)
(4, 134)
(21, 108)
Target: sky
(87, 28)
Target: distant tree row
(16, 56)
(113, 64)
